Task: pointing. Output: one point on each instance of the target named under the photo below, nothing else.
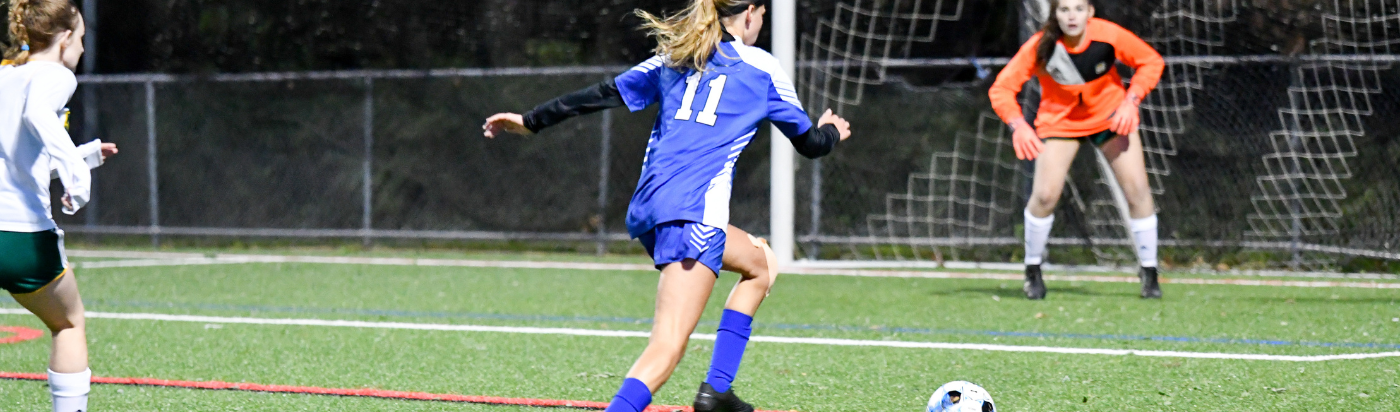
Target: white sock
(70, 390)
(1037, 235)
(1145, 234)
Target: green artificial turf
(1229, 319)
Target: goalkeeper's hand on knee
(1125, 120)
(1025, 140)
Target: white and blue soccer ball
(961, 396)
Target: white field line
(710, 337)
(122, 254)
(1017, 267)
(798, 267)
(339, 260)
(1105, 279)
(189, 260)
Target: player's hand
(843, 126)
(67, 201)
(505, 123)
(1025, 140)
(108, 150)
(1125, 120)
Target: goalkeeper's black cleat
(709, 400)
(1035, 284)
(1150, 289)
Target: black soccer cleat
(1150, 289)
(1035, 284)
(709, 400)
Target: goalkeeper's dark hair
(688, 38)
(33, 25)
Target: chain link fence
(373, 154)
(1269, 147)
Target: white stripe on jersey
(651, 64)
(760, 59)
(716, 212)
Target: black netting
(1266, 142)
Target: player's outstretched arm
(598, 97)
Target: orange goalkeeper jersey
(1080, 88)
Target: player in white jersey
(713, 88)
(37, 77)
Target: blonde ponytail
(689, 38)
(33, 25)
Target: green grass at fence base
(1170, 258)
(615, 251)
(780, 376)
(620, 254)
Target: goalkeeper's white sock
(1145, 234)
(1037, 235)
(70, 390)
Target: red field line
(21, 334)
(368, 393)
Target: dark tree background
(202, 36)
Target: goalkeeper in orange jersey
(1083, 99)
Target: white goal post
(783, 185)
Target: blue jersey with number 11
(707, 118)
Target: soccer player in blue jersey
(714, 89)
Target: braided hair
(33, 25)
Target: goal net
(1263, 144)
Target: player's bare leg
(1051, 167)
(1125, 155)
(59, 306)
(680, 300)
(756, 265)
(1050, 170)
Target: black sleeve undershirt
(598, 97)
(817, 141)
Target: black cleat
(1150, 289)
(1035, 285)
(708, 400)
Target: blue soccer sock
(633, 396)
(733, 336)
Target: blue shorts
(676, 241)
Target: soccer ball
(961, 396)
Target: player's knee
(65, 323)
(669, 350)
(1045, 198)
(669, 344)
(756, 267)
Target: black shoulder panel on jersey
(1096, 61)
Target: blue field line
(775, 326)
